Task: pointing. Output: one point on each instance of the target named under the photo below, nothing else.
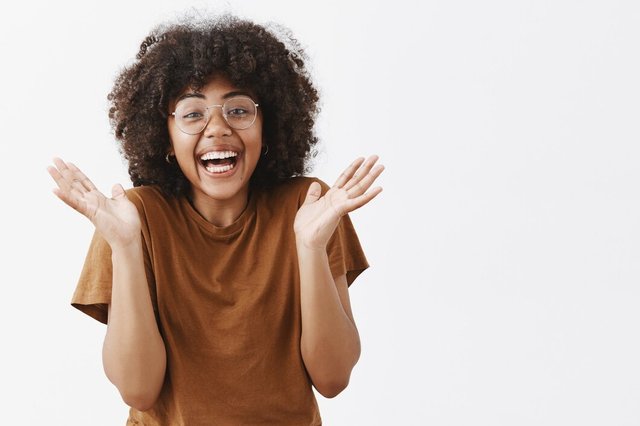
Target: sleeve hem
(97, 311)
(351, 272)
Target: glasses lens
(240, 112)
(191, 116)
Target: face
(219, 161)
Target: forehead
(217, 88)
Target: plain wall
(504, 249)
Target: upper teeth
(218, 155)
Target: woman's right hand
(116, 218)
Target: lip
(216, 148)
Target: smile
(219, 161)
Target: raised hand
(116, 218)
(319, 216)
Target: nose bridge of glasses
(211, 112)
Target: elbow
(331, 379)
(138, 392)
(139, 396)
(332, 387)
(139, 380)
(330, 371)
(141, 402)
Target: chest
(243, 284)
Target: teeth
(219, 169)
(218, 155)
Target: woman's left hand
(319, 216)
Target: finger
(67, 193)
(60, 173)
(117, 191)
(355, 203)
(362, 172)
(72, 175)
(361, 187)
(60, 164)
(313, 193)
(70, 199)
(84, 203)
(77, 179)
(66, 179)
(348, 173)
(63, 170)
(58, 178)
(84, 181)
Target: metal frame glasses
(191, 121)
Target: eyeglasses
(192, 114)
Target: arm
(134, 355)
(330, 343)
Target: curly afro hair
(185, 55)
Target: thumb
(117, 192)
(313, 193)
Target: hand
(318, 216)
(116, 218)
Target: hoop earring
(264, 151)
(167, 159)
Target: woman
(223, 274)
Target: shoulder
(300, 184)
(147, 198)
(294, 188)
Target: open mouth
(219, 161)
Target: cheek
(257, 147)
(172, 136)
(258, 136)
(179, 140)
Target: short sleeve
(346, 256)
(93, 290)
(344, 251)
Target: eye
(236, 112)
(194, 115)
(191, 113)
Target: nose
(217, 126)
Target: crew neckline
(221, 231)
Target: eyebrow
(190, 95)
(225, 96)
(237, 93)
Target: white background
(505, 249)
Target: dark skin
(252, 60)
(330, 343)
(176, 59)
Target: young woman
(223, 274)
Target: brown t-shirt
(227, 303)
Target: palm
(116, 218)
(318, 217)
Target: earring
(264, 151)
(167, 159)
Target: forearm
(330, 343)
(134, 356)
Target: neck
(220, 212)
